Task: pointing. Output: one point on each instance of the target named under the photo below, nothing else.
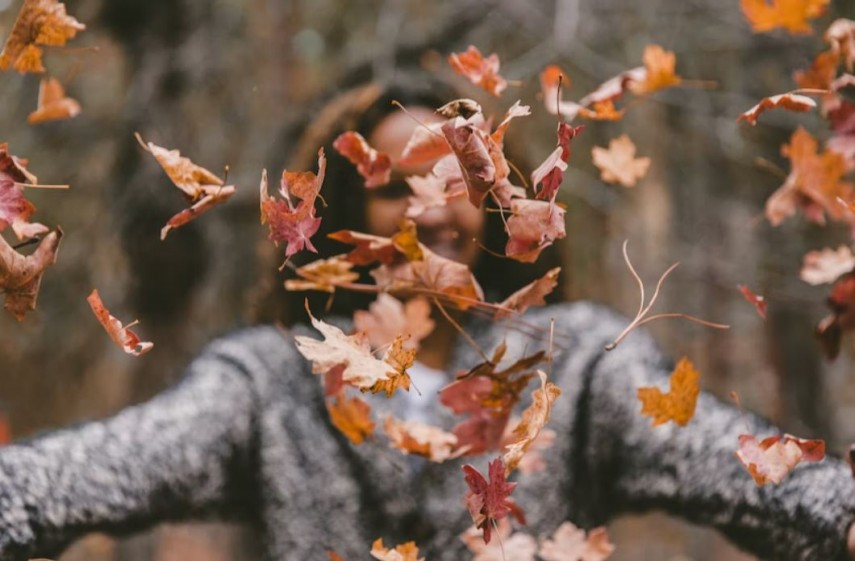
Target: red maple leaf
(489, 501)
(550, 173)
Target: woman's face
(448, 230)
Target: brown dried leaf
(40, 22)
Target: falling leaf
(549, 88)
(21, 276)
(471, 147)
(428, 192)
(792, 15)
(569, 543)
(533, 460)
(755, 300)
(518, 546)
(789, 101)
(15, 209)
(483, 72)
(39, 23)
(827, 265)
(532, 227)
(361, 368)
(489, 501)
(293, 224)
(618, 163)
(420, 439)
(404, 552)
(602, 111)
(324, 275)
(427, 144)
(842, 303)
(53, 104)
(516, 110)
(400, 359)
(771, 459)
(533, 420)
(678, 404)
(532, 294)
(387, 317)
(126, 339)
(659, 73)
(841, 35)
(352, 417)
(406, 241)
(375, 167)
(550, 173)
(821, 72)
(462, 107)
(201, 188)
(814, 183)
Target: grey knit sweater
(245, 435)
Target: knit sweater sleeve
(625, 464)
(186, 453)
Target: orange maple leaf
(53, 104)
(618, 163)
(792, 15)
(413, 437)
(821, 73)
(375, 167)
(40, 22)
(404, 552)
(481, 71)
(400, 359)
(678, 404)
(351, 416)
(659, 65)
(532, 294)
(789, 101)
(120, 334)
(771, 459)
(323, 275)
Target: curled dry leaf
(518, 546)
(126, 339)
(39, 23)
(550, 173)
(375, 167)
(474, 150)
(15, 209)
(569, 543)
(827, 265)
(678, 404)
(387, 318)
(413, 437)
(618, 163)
(659, 72)
(533, 420)
(489, 501)
(842, 318)
(771, 459)
(793, 16)
(201, 188)
(841, 35)
(289, 223)
(53, 104)
(814, 184)
(516, 110)
(481, 71)
(462, 107)
(532, 294)
(532, 227)
(404, 552)
(20, 276)
(361, 369)
(755, 300)
(324, 275)
(352, 417)
(789, 101)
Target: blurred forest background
(225, 81)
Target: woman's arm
(186, 453)
(692, 471)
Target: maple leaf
(533, 460)
(659, 71)
(550, 173)
(532, 227)
(814, 183)
(369, 248)
(827, 265)
(406, 241)
(471, 148)
(518, 546)
(602, 111)
(841, 35)
(678, 404)
(483, 72)
(428, 192)
(200, 187)
(821, 72)
(53, 104)
(126, 339)
(427, 144)
(532, 294)
(375, 167)
(842, 303)
(323, 275)
(789, 101)
(400, 359)
(15, 209)
(792, 15)
(387, 317)
(404, 552)
(39, 23)
(293, 224)
(533, 420)
(489, 501)
(618, 163)
(420, 439)
(352, 417)
(21, 276)
(771, 459)
(755, 300)
(361, 368)
(550, 78)
(569, 543)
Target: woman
(245, 435)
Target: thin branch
(462, 331)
